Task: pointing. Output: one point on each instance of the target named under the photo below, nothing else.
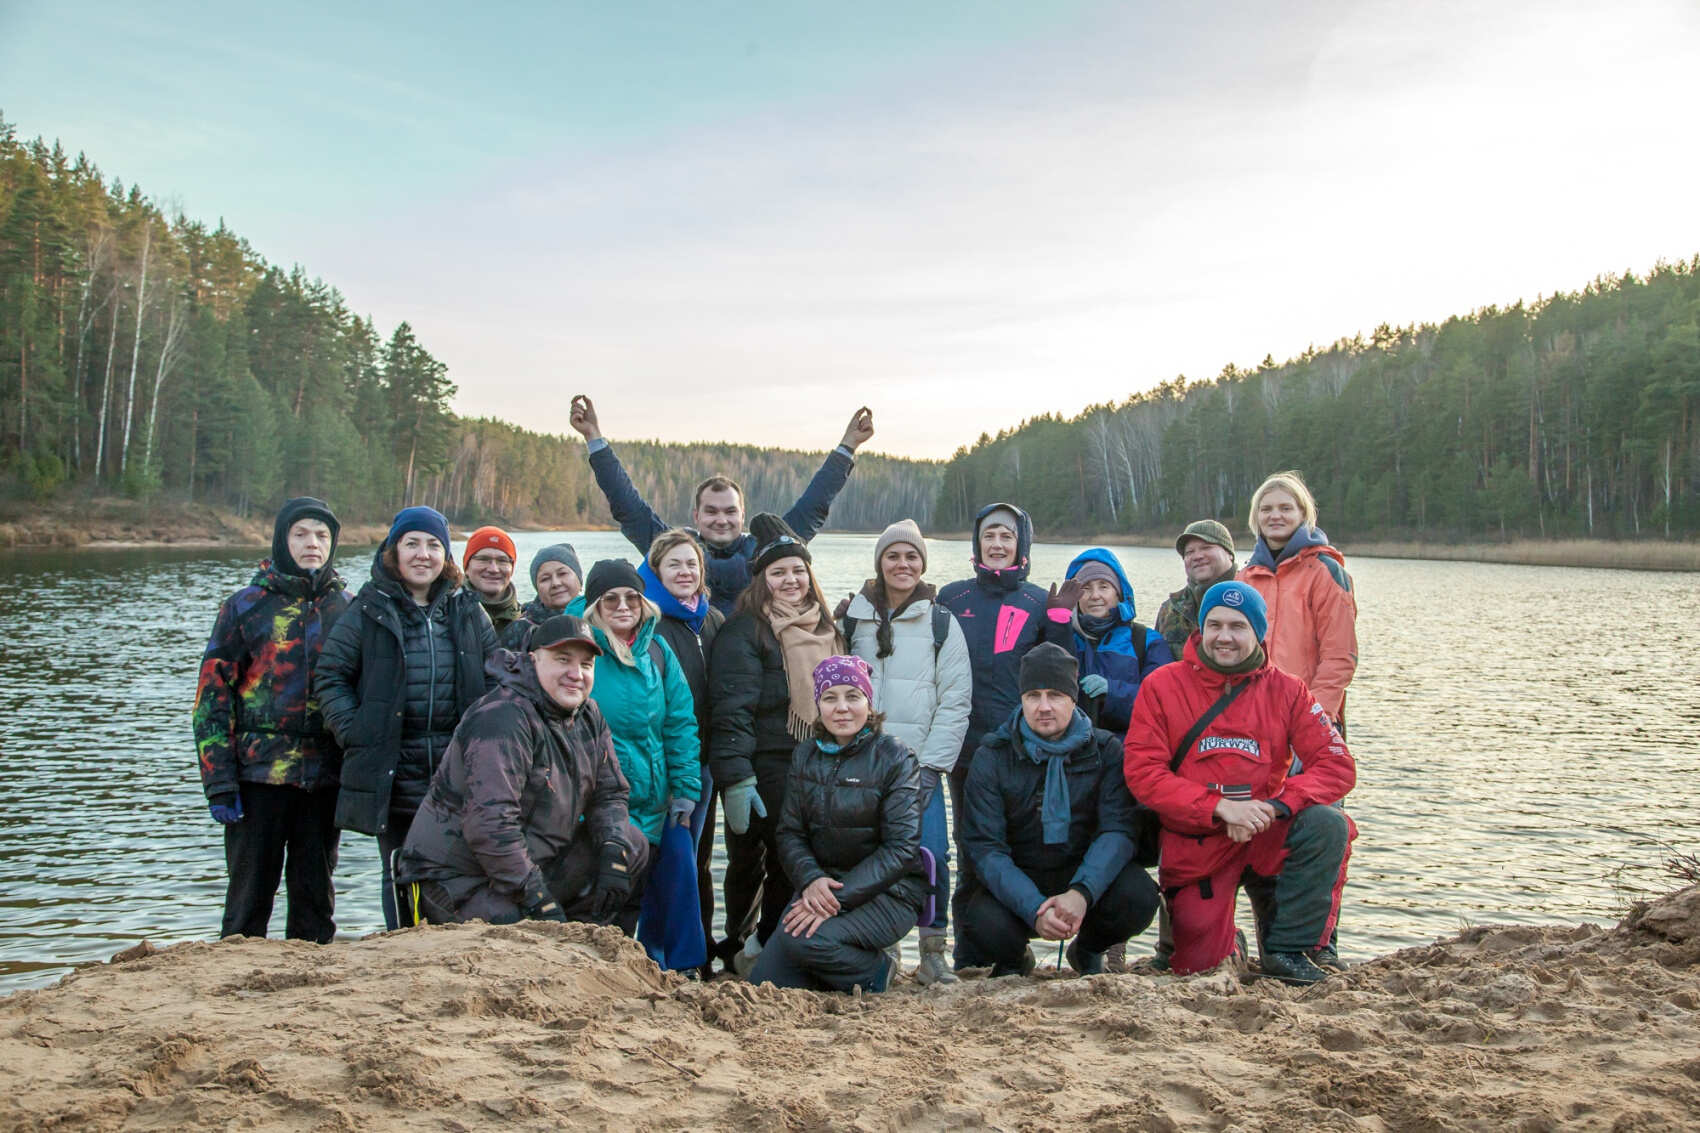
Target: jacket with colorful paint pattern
(256, 717)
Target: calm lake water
(1525, 739)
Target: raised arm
(638, 521)
(808, 514)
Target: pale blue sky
(739, 221)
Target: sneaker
(744, 960)
(935, 966)
(1082, 961)
(1292, 968)
(1327, 959)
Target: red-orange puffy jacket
(1245, 753)
(1313, 615)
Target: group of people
(528, 761)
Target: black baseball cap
(564, 629)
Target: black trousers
(963, 954)
(285, 833)
(757, 890)
(846, 951)
(990, 930)
(571, 879)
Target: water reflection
(1524, 740)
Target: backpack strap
(1203, 722)
(656, 657)
(941, 629)
(1140, 633)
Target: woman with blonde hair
(762, 703)
(647, 705)
(675, 579)
(1313, 613)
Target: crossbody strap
(1203, 722)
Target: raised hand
(582, 416)
(861, 427)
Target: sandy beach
(546, 1026)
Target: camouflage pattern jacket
(1177, 619)
(514, 786)
(256, 717)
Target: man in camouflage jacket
(1206, 549)
(269, 765)
(526, 815)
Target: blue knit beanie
(419, 518)
(1237, 596)
(558, 553)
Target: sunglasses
(613, 600)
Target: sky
(742, 221)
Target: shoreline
(115, 524)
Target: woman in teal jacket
(647, 703)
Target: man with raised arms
(717, 515)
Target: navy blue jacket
(1003, 832)
(728, 567)
(1003, 616)
(1113, 655)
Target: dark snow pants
(285, 833)
(989, 929)
(846, 951)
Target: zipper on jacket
(431, 702)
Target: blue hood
(1124, 611)
(1307, 536)
(1017, 574)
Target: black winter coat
(1003, 616)
(749, 701)
(375, 688)
(854, 816)
(692, 652)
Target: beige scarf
(803, 646)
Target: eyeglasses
(613, 600)
(492, 560)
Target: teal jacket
(652, 716)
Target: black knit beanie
(610, 574)
(775, 540)
(1050, 666)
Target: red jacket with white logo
(1244, 754)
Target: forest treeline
(142, 352)
(1570, 416)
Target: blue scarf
(670, 606)
(1056, 813)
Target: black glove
(613, 881)
(538, 904)
(842, 608)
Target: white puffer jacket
(925, 702)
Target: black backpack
(941, 631)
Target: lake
(1525, 739)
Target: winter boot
(1292, 968)
(935, 965)
(745, 958)
(1025, 968)
(1084, 962)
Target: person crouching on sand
(849, 838)
(526, 817)
(1065, 867)
(1210, 749)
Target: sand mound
(544, 1026)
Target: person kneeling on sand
(1210, 751)
(850, 838)
(1052, 830)
(526, 816)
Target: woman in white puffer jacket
(922, 684)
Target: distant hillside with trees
(145, 354)
(1573, 415)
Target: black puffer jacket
(854, 816)
(692, 652)
(749, 701)
(392, 686)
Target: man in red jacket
(1210, 750)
